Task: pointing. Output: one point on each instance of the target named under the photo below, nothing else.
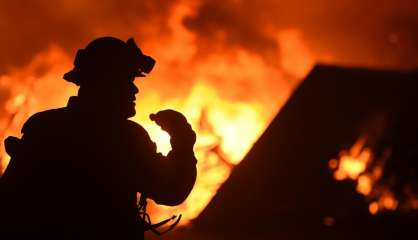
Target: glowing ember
(364, 185)
(353, 164)
(329, 221)
(386, 201)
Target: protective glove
(12, 145)
(175, 124)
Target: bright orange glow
(230, 131)
(353, 164)
(388, 201)
(373, 208)
(228, 97)
(294, 53)
(364, 185)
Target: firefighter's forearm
(178, 180)
(178, 172)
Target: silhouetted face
(113, 94)
(121, 92)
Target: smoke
(369, 33)
(31, 26)
(374, 33)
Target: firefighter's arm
(17, 149)
(171, 178)
(13, 147)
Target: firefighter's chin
(123, 111)
(131, 110)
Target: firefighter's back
(64, 178)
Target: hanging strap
(146, 220)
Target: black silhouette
(76, 171)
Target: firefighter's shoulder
(139, 134)
(41, 121)
(136, 129)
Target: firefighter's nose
(135, 89)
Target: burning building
(284, 187)
(230, 66)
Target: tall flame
(228, 97)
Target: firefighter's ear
(12, 145)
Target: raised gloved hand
(175, 124)
(12, 145)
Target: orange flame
(353, 164)
(229, 98)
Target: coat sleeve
(167, 180)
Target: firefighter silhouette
(76, 171)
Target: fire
(231, 128)
(33, 88)
(353, 164)
(229, 97)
